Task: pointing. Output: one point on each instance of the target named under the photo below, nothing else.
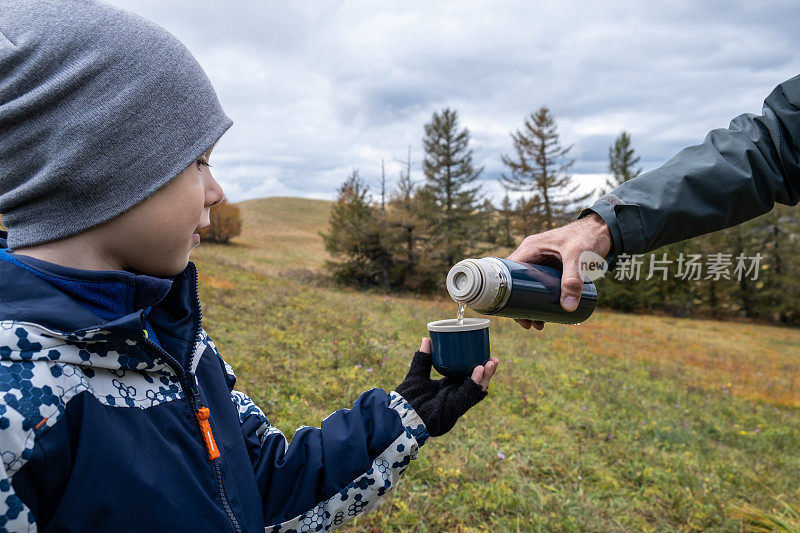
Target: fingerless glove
(439, 403)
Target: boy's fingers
(490, 368)
(421, 365)
(477, 374)
(425, 346)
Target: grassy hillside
(279, 237)
(625, 423)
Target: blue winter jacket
(117, 413)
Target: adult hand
(439, 403)
(561, 248)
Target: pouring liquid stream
(460, 315)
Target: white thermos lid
(465, 281)
(477, 282)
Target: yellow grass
(749, 360)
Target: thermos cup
(502, 287)
(456, 348)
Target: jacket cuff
(625, 222)
(412, 423)
(606, 212)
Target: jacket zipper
(189, 385)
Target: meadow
(624, 423)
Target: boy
(117, 412)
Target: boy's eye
(201, 162)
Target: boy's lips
(196, 234)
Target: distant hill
(279, 236)
(278, 215)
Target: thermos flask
(502, 287)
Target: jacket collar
(110, 294)
(175, 317)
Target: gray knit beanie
(99, 108)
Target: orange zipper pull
(203, 414)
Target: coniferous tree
(541, 165)
(429, 269)
(528, 216)
(405, 220)
(354, 238)
(384, 232)
(407, 223)
(621, 162)
(777, 237)
(506, 221)
(488, 221)
(450, 177)
(741, 241)
(631, 294)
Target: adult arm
(735, 175)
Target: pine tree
(450, 177)
(385, 237)
(487, 214)
(541, 165)
(406, 224)
(506, 221)
(741, 242)
(528, 216)
(354, 238)
(621, 162)
(777, 237)
(429, 269)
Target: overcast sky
(317, 88)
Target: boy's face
(156, 236)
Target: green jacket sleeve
(735, 175)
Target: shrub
(226, 223)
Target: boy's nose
(219, 200)
(214, 194)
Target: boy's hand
(440, 402)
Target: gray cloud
(318, 88)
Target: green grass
(625, 423)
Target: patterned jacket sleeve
(330, 474)
(736, 174)
(16, 448)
